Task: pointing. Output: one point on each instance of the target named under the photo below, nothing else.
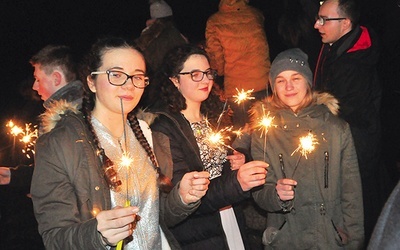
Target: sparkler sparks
(306, 145)
(265, 123)
(243, 95)
(27, 136)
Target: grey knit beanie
(160, 9)
(291, 59)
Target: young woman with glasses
(188, 103)
(97, 181)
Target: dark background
(26, 26)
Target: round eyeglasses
(322, 20)
(198, 75)
(119, 78)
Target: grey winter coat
(68, 187)
(327, 211)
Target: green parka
(327, 211)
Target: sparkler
(125, 161)
(243, 95)
(216, 139)
(265, 122)
(27, 136)
(306, 146)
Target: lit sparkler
(216, 139)
(243, 95)
(306, 146)
(125, 161)
(27, 136)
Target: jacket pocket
(271, 234)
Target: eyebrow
(120, 68)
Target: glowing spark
(126, 161)
(238, 132)
(14, 129)
(306, 145)
(243, 95)
(27, 137)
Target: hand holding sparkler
(252, 174)
(193, 186)
(237, 159)
(285, 189)
(116, 224)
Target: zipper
(326, 174)
(282, 165)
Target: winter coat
(238, 47)
(68, 187)
(158, 39)
(348, 71)
(328, 196)
(203, 229)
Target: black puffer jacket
(203, 229)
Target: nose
(316, 25)
(289, 85)
(35, 85)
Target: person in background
(386, 234)
(313, 190)
(84, 196)
(347, 69)
(187, 108)
(56, 78)
(239, 51)
(160, 36)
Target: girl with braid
(84, 196)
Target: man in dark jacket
(346, 68)
(55, 79)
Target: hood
(232, 5)
(53, 114)
(55, 110)
(321, 100)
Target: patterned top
(213, 155)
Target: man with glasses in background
(347, 68)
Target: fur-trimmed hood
(55, 110)
(53, 114)
(322, 100)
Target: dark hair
(53, 56)
(173, 63)
(92, 62)
(349, 9)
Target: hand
(194, 186)
(116, 224)
(5, 175)
(252, 174)
(236, 160)
(285, 189)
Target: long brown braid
(164, 182)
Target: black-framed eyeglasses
(198, 75)
(322, 20)
(119, 78)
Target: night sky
(28, 26)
